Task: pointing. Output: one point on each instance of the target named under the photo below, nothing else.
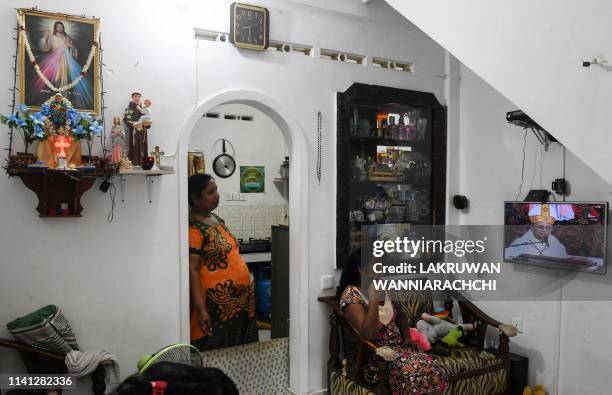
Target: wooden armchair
(38, 361)
(471, 369)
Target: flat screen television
(558, 235)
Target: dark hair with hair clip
(350, 272)
(195, 185)
(180, 380)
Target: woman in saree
(222, 300)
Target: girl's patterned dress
(413, 372)
(226, 286)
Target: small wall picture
(61, 45)
(195, 163)
(252, 179)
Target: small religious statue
(146, 118)
(138, 130)
(157, 154)
(118, 141)
(59, 149)
(61, 142)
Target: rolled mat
(46, 328)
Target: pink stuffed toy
(419, 339)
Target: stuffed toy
(435, 329)
(452, 338)
(419, 339)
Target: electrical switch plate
(519, 324)
(327, 281)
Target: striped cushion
(414, 304)
(342, 385)
(46, 328)
(485, 384)
(466, 359)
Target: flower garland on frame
(75, 82)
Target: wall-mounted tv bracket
(519, 118)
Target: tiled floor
(238, 363)
(264, 335)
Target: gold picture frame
(195, 163)
(61, 45)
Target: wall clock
(249, 26)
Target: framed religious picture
(252, 179)
(195, 163)
(59, 53)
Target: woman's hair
(196, 184)
(55, 27)
(180, 379)
(350, 272)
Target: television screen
(560, 235)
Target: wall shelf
(149, 179)
(56, 187)
(145, 172)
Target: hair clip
(159, 387)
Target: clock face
(249, 26)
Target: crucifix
(61, 143)
(157, 154)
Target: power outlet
(327, 281)
(519, 323)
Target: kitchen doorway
(245, 152)
(296, 141)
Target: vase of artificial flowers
(85, 127)
(56, 126)
(29, 126)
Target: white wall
(488, 170)
(532, 52)
(257, 143)
(118, 282)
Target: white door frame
(298, 214)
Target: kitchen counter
(257, 257)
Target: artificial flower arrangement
(30, 126)
(56, 118)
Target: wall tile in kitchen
(248, 224)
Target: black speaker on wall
(460, 202)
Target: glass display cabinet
(391, 161)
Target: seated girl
(377, 319)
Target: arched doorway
(298, 214)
